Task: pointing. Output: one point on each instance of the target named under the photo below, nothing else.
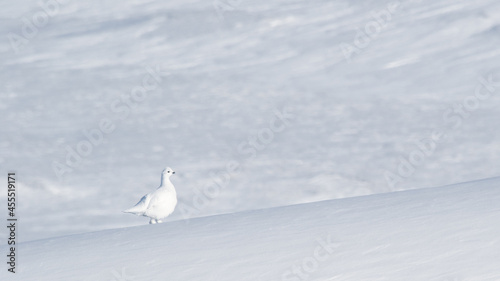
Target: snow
(436, 234)
(305, 135)
(160, 203)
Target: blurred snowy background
(352, 116)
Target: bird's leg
(152, 221)
(158, 221)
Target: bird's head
(168, 172)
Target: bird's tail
(132, 211)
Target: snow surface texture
(160, 203)
(434, 234)
(231, 68)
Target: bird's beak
(173, 173)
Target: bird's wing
(154, 201)
(141, 206)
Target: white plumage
(158, 204)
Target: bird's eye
(168, 172)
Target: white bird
(158, 204)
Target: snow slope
(436, 234)
(231, 68)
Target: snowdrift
(443, 234)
